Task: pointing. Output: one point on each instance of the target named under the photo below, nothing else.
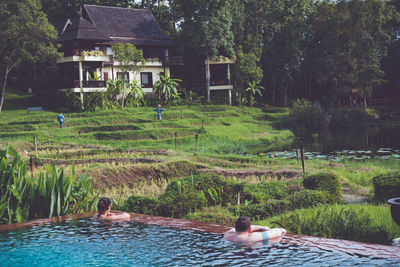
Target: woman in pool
(104, 211)
(245, 233)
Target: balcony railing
(93, 84)
(220, 82)
(85, 84)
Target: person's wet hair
(103, 205)
(243, 224)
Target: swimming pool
(84, 242)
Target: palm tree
(166, 88)
(254, 89)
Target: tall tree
(372, 32)
(327, 55)
(205, 32)
(283, 41)
(128, 58)
(25, 34)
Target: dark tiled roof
(114, 24)
(82, 29)
(59, 25)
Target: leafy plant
(254, 89)
(51, 193)
(166, 88)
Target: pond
(352, 143)
(86, 242)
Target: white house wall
(155, 70)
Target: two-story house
(97, 29)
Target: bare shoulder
(118, 216)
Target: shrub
(265, 190)
(346, 116)
(310, 198)
(325, 181)
(214, 214)
(143, 205)
(386, 186)
(261, 211)
(305, 118)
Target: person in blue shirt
(159, 110)
(60, 119)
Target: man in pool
(104, 211)
(244, 232)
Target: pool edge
(346, 246)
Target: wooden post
(176, 140)
(302, 156)
(297, 155)
(208, 78)
(195, 147)
(35, 144)
(32, 166)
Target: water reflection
(348, 143)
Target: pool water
(89, 243)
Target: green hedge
(214, 214)
(311, 198)
(325, 181)
(386, 186)
(143, 205)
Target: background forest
(317, 50)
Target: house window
(122, 75)
(146, 78)
(109, 51)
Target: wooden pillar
(80, 75)
(228, 74)
(230, 97)
(81, 83)
(208, 78)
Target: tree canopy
(319, 50)
(25, 36)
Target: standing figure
(60, 119)
(159, 110)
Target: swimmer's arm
(259, 228)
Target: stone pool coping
(349, 247)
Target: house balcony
(83, 58)
(87, 86)
(221, 85)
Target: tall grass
(357, 222)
